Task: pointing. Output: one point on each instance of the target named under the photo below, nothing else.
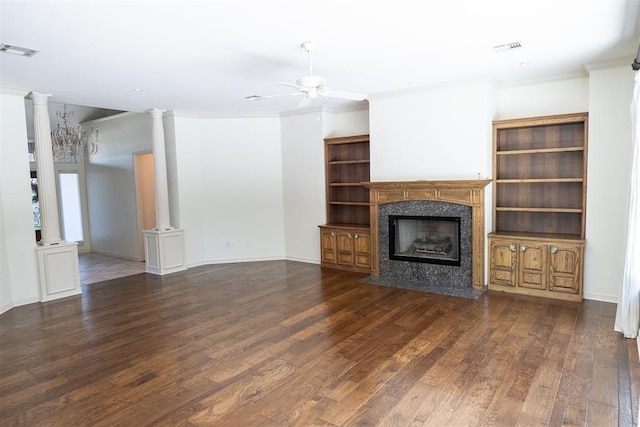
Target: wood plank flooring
(290, 344)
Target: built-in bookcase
(345, 238)
(539, 195)
(347, 167)
(540, 169)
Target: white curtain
(628, 312)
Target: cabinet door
(362, 246)
(328, 246)
(532, 262)
(345, 248)
(565, 268)
(502, 262)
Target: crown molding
(571, 75)
(610, 63)
(8, 90)
(193, 115)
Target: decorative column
(47, 196)
(57, 260)
(163, 246)
(163, 221)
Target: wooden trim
(542, 120)
(463, 192)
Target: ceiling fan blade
(293, 85)
(261, 97)
(345, 95)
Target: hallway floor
(97, 267)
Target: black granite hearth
(455, 291)
(436, 278)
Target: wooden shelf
(552, 237)
(539, 151)
(346, 169)
(537, 180)
(550, 210)
(540, 167)
(348, 162)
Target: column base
(164, 251)
(59, 271)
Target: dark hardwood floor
(290, 344)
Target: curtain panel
(628, 310)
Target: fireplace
(430, 264)
(430, 239)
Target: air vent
(507, 46)
(17, 50)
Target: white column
(163, 246)
(48, 199)
(58, 268)
(163, 221)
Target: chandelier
(70, 142)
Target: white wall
(564, 96)
(303, 184)
(442, 133)
(111, 197)
(18, 264)
(187, 183)
(229, 173)
(346, 122)
(303, 179)
(6, 296)
(610, 94)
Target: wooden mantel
(463, 192)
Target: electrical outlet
(231, 243)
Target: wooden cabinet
(347, 248)
(346, 238)
(539, 195)
(551, 269)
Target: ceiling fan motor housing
(310, 82)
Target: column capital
(156, 112)
(40, 98)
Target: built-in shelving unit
(345, 237)
(539, 195)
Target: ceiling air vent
(507, 46)
(17, 50)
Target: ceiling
(205, 57)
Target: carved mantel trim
(463, 192)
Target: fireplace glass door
(428, 239)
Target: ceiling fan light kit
(312, 86)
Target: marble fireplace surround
(462, 192)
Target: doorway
(145, 196)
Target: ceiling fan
(312, 87)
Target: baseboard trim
(6, 307)
(601, 297)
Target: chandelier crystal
(72, 142)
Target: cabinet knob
(554, 249)
(356, 236)
(512, 247)
(349, 235)
(333, 234)
(523, 248)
